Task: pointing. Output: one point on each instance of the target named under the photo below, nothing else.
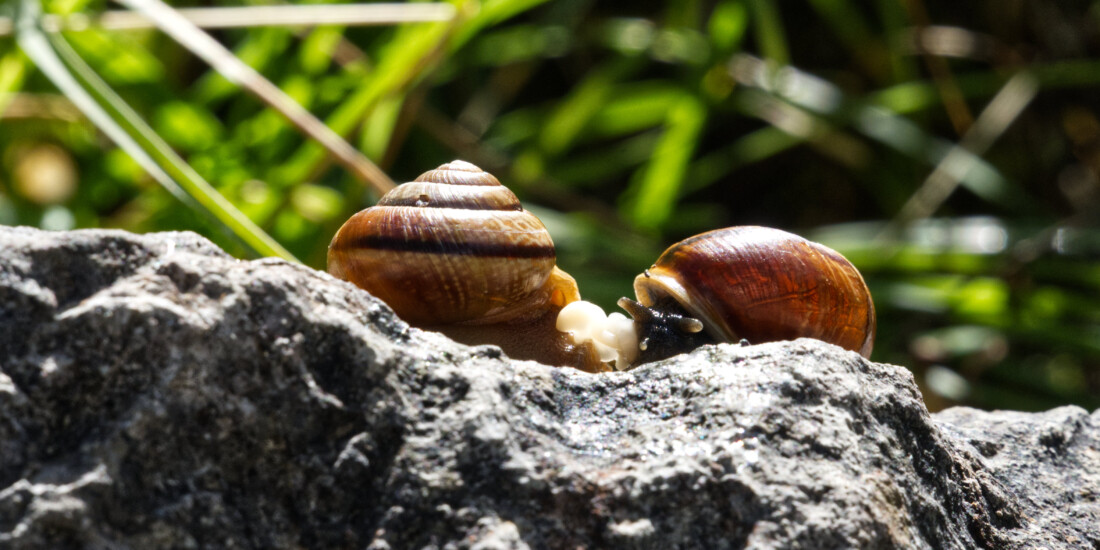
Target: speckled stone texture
(155, 393)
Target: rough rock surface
(155, 393)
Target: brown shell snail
(455, 252)
(753, 283)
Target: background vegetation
(950, 149)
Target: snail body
(748, 283)
(454, 251)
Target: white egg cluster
(613, 335)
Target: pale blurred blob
(45, 174)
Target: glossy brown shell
(452, 246)
(764, 285)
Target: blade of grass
(52, 55)
(404, 62)
(912, 97)
(13, 72)
(820, 133)
(259, 49)
(770, 37)
(820, 98)
(847, 22)
(663, 176)
(894, 22)
(954, 104)
(544, 190)
(993, 121)
(597, 165)
(573, 113)
(253, 16)
(379, 126)
(491, 12)
(852, 30)
(235, 70)
(727, 25)
(633, 107)
(753, 147)
(681, 13)
(505, 84)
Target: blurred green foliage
(950, 150)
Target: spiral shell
(763, 285)
(453, 246)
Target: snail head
(664, 330)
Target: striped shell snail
(753, 283)
(455, 252)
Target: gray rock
(155, 393)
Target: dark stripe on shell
(380, 242)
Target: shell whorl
(452, 246)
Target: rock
(1050, 461)
(156, 393)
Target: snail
(455, 252)
(740, 283)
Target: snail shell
(454, 250)
(759, 284)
